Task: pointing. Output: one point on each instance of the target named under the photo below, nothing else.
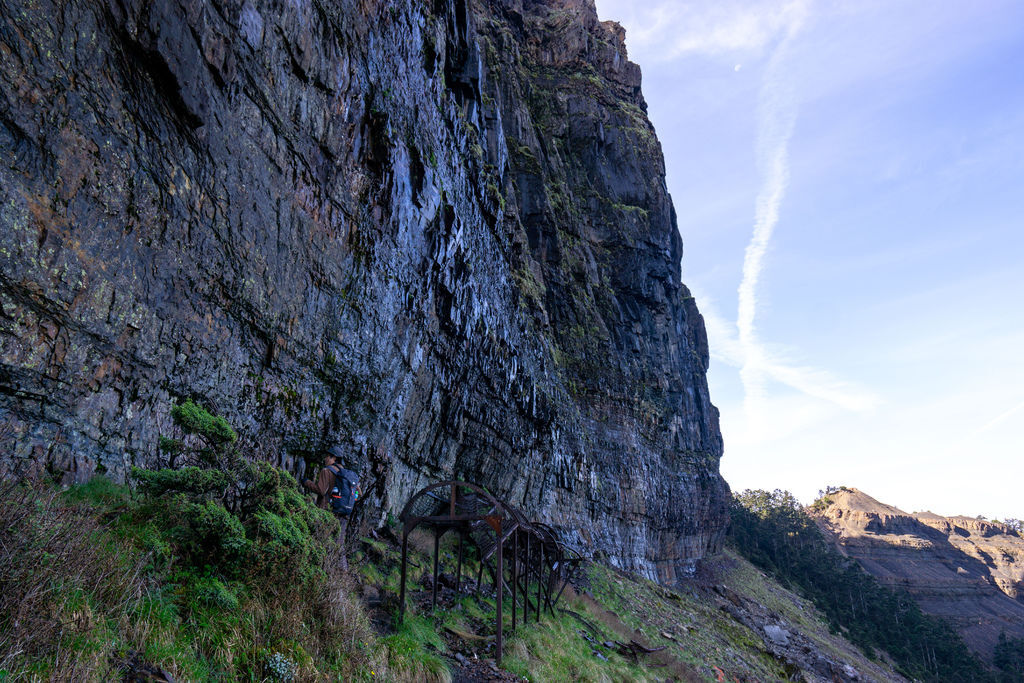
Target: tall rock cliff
(966, 570)
(441, 226)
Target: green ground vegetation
(578, 641)
(215, 568)
(426, 640)
(218, 568)
(101, 574)
(1009, 659)
(98, 576)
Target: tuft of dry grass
(55, 574)
(342, 624)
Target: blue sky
(849, 181)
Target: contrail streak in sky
(777, 110)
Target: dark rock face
(968, 571)
(438, 226)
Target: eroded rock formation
(440, 226)
(967, 570)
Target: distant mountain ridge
(969, 571)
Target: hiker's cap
(336, 451)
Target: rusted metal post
(458, 568)
(524, 580)
(479, 570)
(540, 581)
(515, 574)
(501, 596)
(433, 588)
(549, 586)
(405, 551)
(558, 596)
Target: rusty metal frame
(455, 518)
(531, 551)
(564, 562)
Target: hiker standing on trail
(337, 490)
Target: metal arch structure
(473, 513)
(504, 539)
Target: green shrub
(191, 480)
(214, 537)
(280, 537)
(194, 419)
(212, 592)
(231, 517)
(218, 568)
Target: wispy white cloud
(669, 29)
(821, 384)
(729, 28)
(1001, 418)
(776, 366)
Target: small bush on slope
(229, 518)
(218, 568)
(95, 577)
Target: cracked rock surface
(438, 227)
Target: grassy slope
(703, 641)
(92, 591)
(706, 638)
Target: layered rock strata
(967, 570)
(441, 227)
